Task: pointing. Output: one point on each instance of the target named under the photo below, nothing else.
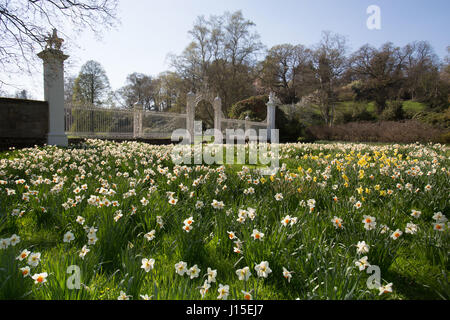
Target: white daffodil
(411, 228)
(181, 268)
(337, 222)
(80, 220)
(287, 274)
(362, 247)
(84, 251)
(25, 271)
(385, 289)
(14, 239)
(212, 274)
(193, 272)
(369, 222)
(439, 217)
(92, 239)
(23, 255)
(4, 243)
(68, 237)
(123, 296)
(189, 221)
(263, 269)
(415, 213)
(224, 291)
(286, 220)
(231, 235)
(217, 204)
(257, 235)
(40, 278)
(144, 202)
(396, 234)
(150, 235)
(34, 258)
(204, 288)
(247, 295)
(147, 264)
(243, 274)
(362, 263)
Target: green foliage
(393, 112)
(436, 119)
(289, 124)
(438, 99)
(445, 138)
(254, 107)
(408, 131)
(413, 107)
(356, 111)
(13, 286)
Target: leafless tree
(221, 57)
(25, 23)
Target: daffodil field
(107, 220)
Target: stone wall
(23, 123)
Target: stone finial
(53, 41)
(271, 97)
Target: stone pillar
(53, 59)
(190, 112)
(271, 105)
(218, 118)
(247, 119)
(137, 121)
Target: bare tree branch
(25, 23)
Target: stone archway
(204, 112)
(194, 101)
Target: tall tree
(139, 89)
(170, 92)
(445, 69)
(329, 63)
(92, 85)
(380, 71)
(69, 84)
(221, 57)
(282, 68)
(421, 70)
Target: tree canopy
(91, 87)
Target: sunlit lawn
(300, 232)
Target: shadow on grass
(409, 288)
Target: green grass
(321, 256)
(409, 106)
(413, 106)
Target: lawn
(133, 225)
(410, 107)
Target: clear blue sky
(150, 30)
